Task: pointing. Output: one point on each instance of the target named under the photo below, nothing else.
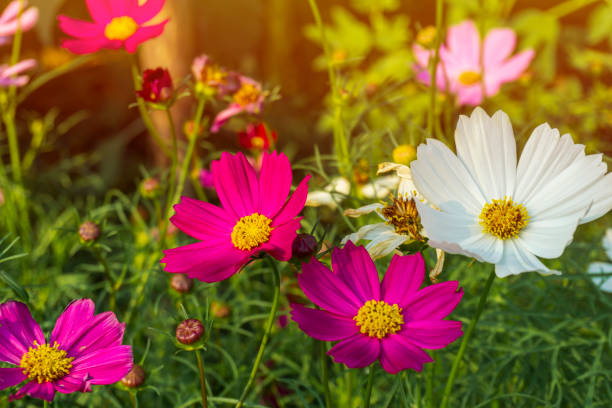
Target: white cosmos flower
(500, 212)
(605, 283)
(339, 188)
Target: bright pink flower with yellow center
(84, 350)
(255, 217)
(117, 24)
(464, 71)
(392, 322)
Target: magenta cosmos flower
(11, 76)
(461, 70)
(10, 21)
(117, 23)
(391, 322)
(255, 217)
(249, 98)
(84, 350)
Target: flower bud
(181, 283)
(404, 154)
(189, 331)
(219, 310)
(156, 85)
(135, 377)
(89, 231)
(149, 187)
(304, 246)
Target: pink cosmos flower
(248, 98)
(391, 322)
(10, 76)
(10, 21)
(255, 217)
(460, 71)
(84, 350)
(206, 178)
(117, 23)
(214, 80)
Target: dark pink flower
(249, 98)
(463, 70)
(255, 217)
(83, 350)
(156, 85)
(392, 321)
(117, 24)
(10, 21)
(257, 137)
(206, 178)
(10, 76)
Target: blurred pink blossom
(10, 21)
(206, 178)
(9, 76)
(215, 78)
(461, 70)
(248, 98)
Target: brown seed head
(89, 231)
(189, 331)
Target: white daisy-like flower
(339, 188)
(488, 207)
(604, 283)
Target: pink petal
(355, 267)
(403, 279)
(19, 67)
(507, 71)
(464, 42)
(323, 325)
(43, 391)
(398, 354)
(11, 11)
(498, 45)
(79, 28)
(201, 220)
(274, 183)
(18, 331)
(357, 351)
(281, 240)
(433, 302)
(99, 11)
(148, 10)
(10, 377)
(104, 366)
(29, 18)
(295, 204)
(120, 7)
(327, 290)
(90, 45)
(144, 34)
(432, 334)
(236, 184)
(232, 109)
(469, 95)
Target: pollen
(403, 215)
(469, 78)
(503, 218)
(377, 318)
(45, 363)
(247, 94)
(120, 28)
(251, 231)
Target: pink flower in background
(117, 24)
(10, 21)
(206, 178)
(216, 79)
(248, 98)
(257, 137)
(390, 321)
(255, 217)
(10, 76)
(84, 350)
(460, 71)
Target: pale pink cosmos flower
(248, 98)
(10, 75)
(117, 24)
(11, 22)
(462, 71)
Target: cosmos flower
(10, 76)
(603, 283)
(257, 137)
(156, 85)
(117, 24)
(83, 350)
(206, 178)
(10, 21)
(488, 207)
(212, 79)
(255, 217)
(249, 98)
(467, 64)
(392, 321)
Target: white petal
(602, 199)
(607, 242)
(369, 232)
(487, 148)
(366, 209)
(517, 259)
(339, 185)
(381, 187)
(319, 198)
(384, 244)
(548, 237)
(605, 283)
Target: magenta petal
(232, 109)
(120, 7)
(18, 331)
(201, 220)
(355, 267)
(43, 391)
(357, 351)
(236, 184)
(327, 290)
(295, 204)
(432, 334)
(323, 325)
(398, 354)
(280, 245)
(79, 28)
(105, 366)
(144, 34)
(434, 302)
(404, 277)
(10, 377)
(148, 10)
(90, 45)
(274, 183)
(99, 10)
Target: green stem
(325, 374)
(45, 404)
(267, 330)
(172, 181)
(466, 339)
(368, 395)
(109, 277)
(570, 6)
(434, 68)
(202, 379)
(133, 400)
(430, 383)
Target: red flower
(156, 85)
(257, 137)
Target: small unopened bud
(149, 187)
(189, 331)
(219, 310)
(181, 283)
(404, 154)
(304, 246)
(89, 231)
(135, 377)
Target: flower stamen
(377, 318)
(247, 94)
(120, 28)
(469, 78)
(503, 218)
(251, 231)
(402, 213)
(45, 363)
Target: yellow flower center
(258, 142)
(377, 318)
(404, 154)
(251, 231)
(402, 213)
(503, 218)
(247, 94)
(120, 28)
(469, 78)
(45, 363)
(214, 74)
